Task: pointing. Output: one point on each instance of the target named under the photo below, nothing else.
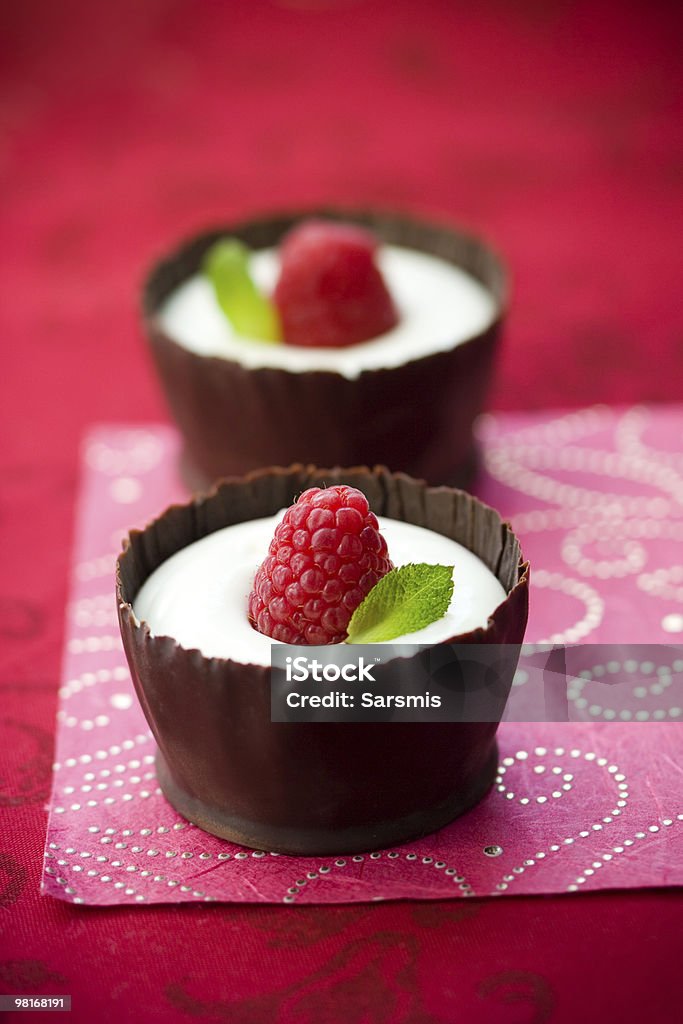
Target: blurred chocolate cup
(414, 416)
(311, 787)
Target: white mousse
(439, 307)
(199, 595)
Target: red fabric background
(553, 128)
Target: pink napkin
(597, 498)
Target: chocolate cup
(310, 788)
(416, 418)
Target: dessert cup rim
(125, 602)
(154, 293)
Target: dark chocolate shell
(416, 417)
(321, 787)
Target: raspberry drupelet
(326, 556)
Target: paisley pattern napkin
(597, 498)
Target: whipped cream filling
(199, 595)
(439, 307)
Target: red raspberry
(330, 293)
(326, 555)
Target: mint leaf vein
(405, 600)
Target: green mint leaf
(252, 314)
(405, 600)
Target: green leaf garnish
(405, 600)
(252, 314)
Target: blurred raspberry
(330, 292)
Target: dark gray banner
(477, 683)
(33, 1003)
